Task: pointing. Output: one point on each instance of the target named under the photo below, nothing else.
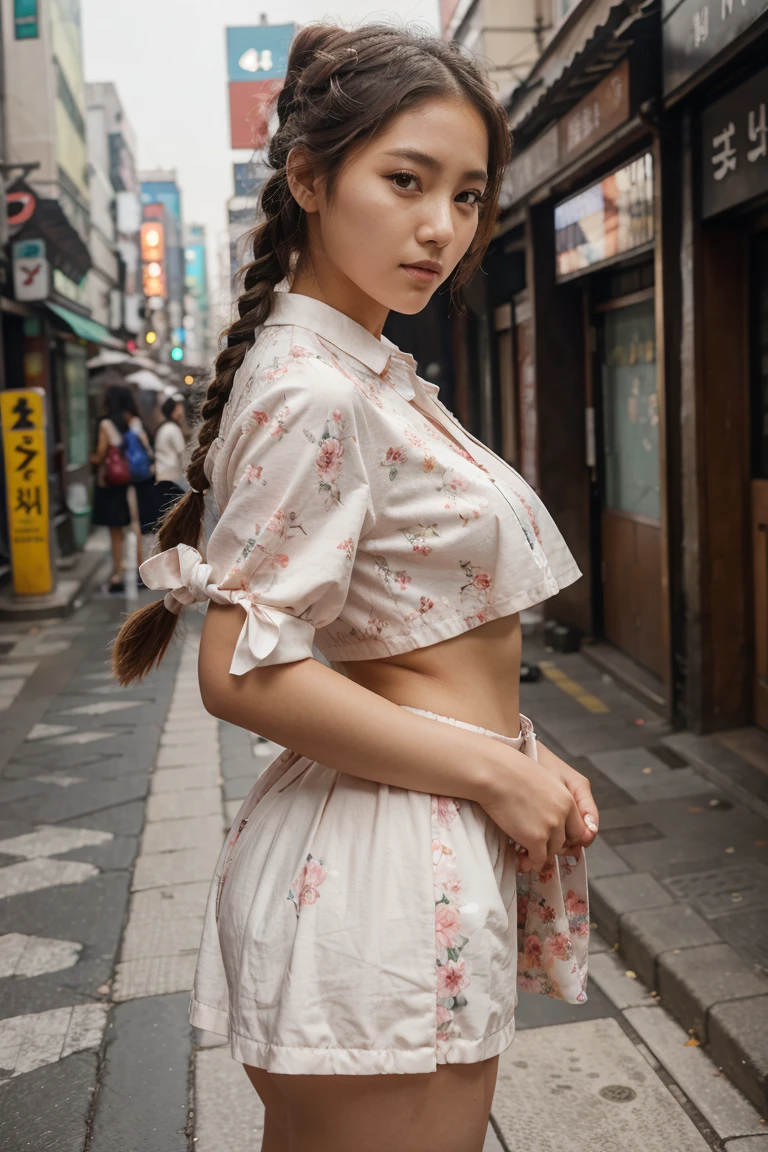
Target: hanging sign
(31, 270)
(22, 413)
(734, 144)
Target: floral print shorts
(356, 928)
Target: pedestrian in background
(123, 461)
(415, 855)
(170, 446)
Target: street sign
(22, 413)
(25, 20)
(259, 52)
(734, 143)
(31, 270)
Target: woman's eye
(471, 192)
(405, 176)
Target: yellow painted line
(572, 687)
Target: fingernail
(590, 823)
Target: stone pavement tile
(62, 1125)
(611, 896)
(118, 855)
(182, 757)
(33, 875)
(747, 931)
(534, 1011)
(22, 955)
(719, 891)
(171, 903)
(170, 835)
(143, 1098)
(238, 787)
(722, 1105)
(50, 840)
(646, 935)
(229, 1116)
(161, 869)
(182, 805)
(603, 861)
(694, 980)
(190, 734)
(738, 1036)
(161, 937)
(59, 804)
(92, 915)
(34, 1039)
(583, 1087)
(154, 976)
(748, 1144)
(609, 972)
(181, 779)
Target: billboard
(249, 177)
(258, 53)
(249, 112)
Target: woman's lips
(423, 275)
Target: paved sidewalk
(114, 804)
(679, 873)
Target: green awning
(86, 328)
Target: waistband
(526, 727)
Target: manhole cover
(618, 1093)
(711, 892)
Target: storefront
(716, 95)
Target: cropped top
(343, 517)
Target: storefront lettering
(725, 159)
(700, 26)
(735, 134)
(695, 32)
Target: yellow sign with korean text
(22, 414)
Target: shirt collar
(344, 333)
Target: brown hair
(341, 88)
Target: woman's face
(178, 413)
(408, 196)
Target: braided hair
(341, 88)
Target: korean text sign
(734, 147)
(22, 414)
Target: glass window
(631, 411)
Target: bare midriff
(473, 677)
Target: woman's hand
(581, 791)
(536, 810)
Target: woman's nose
(437, 225)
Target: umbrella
(147, 380)
(106, 358)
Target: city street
(114, 806)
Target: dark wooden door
(760, 561)
(630, 518)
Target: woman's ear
(301, 180)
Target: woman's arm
(305, 706)
(99, 454)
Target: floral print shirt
(342, 517)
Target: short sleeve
(294, 498)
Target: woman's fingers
(580, 789)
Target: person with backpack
(123, 458)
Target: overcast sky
(167, 58)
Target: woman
(111, 507)
(362, 916)
(170, 447)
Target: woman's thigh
(442, 1111)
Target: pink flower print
(446, 877)
(280, 559)
(444, 1016)
(522, 910)
(451, 978)
(252, 472)
(575, 903)
(546, 913)
(276, 522)
(532, 949)
(482, 581)
(422, 549)
(429, 463)
(304, 889)
(445, 810)
(259, 417)
(394, 456)
(558, 946)
(347, 546)
(425, 603)
(547, 871)
(447, 924)
(337, 415)
(403, 580)
(329, 456)
(458, 483)
(527, 983)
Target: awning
(86, 328)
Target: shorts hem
(299, 1061)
